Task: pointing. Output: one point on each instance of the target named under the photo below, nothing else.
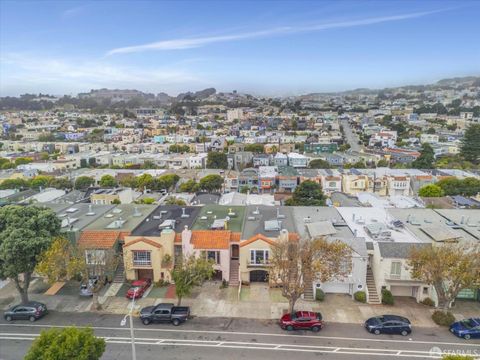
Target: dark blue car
(388, 324)
(467, 329)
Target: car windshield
(469, 324)
(135, 288)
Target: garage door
(401, 290)
(336, 288)
(258, 276)
(145, 274)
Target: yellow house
(255, 254)
(149, 257)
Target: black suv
(388, 324)
(30, 311)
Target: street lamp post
(124, 321)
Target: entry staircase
(234, 273)
(373, 297)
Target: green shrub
(387, 297)
(443, 318)
(360, 296)
(457, 357)
(319, 295)
(162, 283)
(224, 284)
(428, 302)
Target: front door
(162, 315)
(235, 252)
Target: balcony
(403, 276)
(258, 263)
(142, 263)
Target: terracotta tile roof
(144, 240)
(178, 237)
(98, 239)
(235, 236)
(255, 238)
(211, 239)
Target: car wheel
(404, 333)
(145, 321)
(32, 318)
(289, 328)
(175, 322)
(8, 318)
(466, 336)
(315, 328)
(376, 332)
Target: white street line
(246, 345)
(183, 331)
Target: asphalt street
(350, 137)
(220, 338)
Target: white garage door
(401, 290)
(335, 288)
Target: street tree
(84, 182)
(470, 147)
(190, 271)
(308, 193)
(449, 268)
(108, 181)
(426, 160)
(430, 190)
(294, 264)
(217, 160)
(211, 183)
(145, 181)
(319, 164)
(69, 343)
(41, 181)
(61, 262)
(255, 148)
(25, 233)
(188, 186)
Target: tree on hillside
(430, 190)
(189, 272)
(466, 187)
(40, 181)
(255, 148)
(449, 268)
(145, 181)
(294, 264)
(383, 163)
(308, 193)
(188, 186)
(211, 183)
(470, 148)
(217, 160)
(60, 262)
(108, 181)
(14, 184)
(61, 183)
(319, 164)
(25, 233)
(129, 181)
(84, 182)
(426, 160)
(70, 343)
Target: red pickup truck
(302, 320)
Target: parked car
(32, 311)
(86, 289)
(389, 324)
(302, 320)
(467, 329)
(165, 313)
(138, 288)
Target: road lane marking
(183, 331)
(254, 346)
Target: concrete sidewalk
(257, 301)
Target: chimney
(187, 247)
(283, 236)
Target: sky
(261, 47)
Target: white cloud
(19, 70)
(188, 43)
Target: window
(95, 257)
(396, 269)
(141, 258)
(214, 255)
(259, 257)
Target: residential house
(297, 160)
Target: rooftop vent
(71, 210)
(256, 211)
(116, 211)
(184, 214)
(136, 212)
(90, 211)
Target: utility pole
(124, 321)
